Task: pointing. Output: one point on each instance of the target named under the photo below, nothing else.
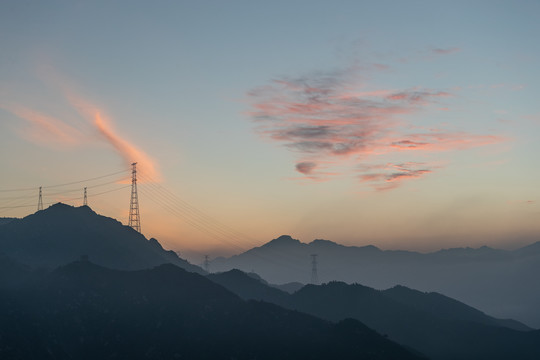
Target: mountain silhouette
(85, 311)
(61, 234)
(438, 326)
(426, 325)
(447, 308)
(6, 220)
(12, 272)
(499, 282)
(291, 287)
(248, 287)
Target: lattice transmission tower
(134, 217)
(85, 200)
(40, 200)
(314, 275)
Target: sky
(406, 125)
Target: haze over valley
(269, 180)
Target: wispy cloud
(127, 150)
(418, 96)
(445, 51)
(89, 126)
(330, 117)
(389, 176)
(104, 125)
(306, 167)
(522, 202)
(44, 129)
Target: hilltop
(62, 233)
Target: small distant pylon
(207, 263)
(314, 275)
(85, 201)
(40, 201)
(134, 217)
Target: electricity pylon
(134, 217)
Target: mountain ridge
(87, 311)
(498, 282)
(438, 326)
(63, 233)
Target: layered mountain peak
(62, 233)
(323, 242)
(282, 241)
(61, 208)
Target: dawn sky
(407, 125)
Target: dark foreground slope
(83, 311)
(61, 233)
(438, 326)
(6, 220)
(248, 287)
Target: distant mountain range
(85, 311)
(99, 309)
(438, 326)
(499, 282)
(61, 234)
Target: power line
(205, 223)
(199, 219)
(18, 206)
(86, 180)
(69, 199)
(17, 202)
(62, 192)
(65, 184)
(156, 198)
(196, 223)
(105, 192)
(19, 189)
(20, 197)
(160, 195)
(195, 212)
(48, 194)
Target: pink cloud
(306, 167)
(391, 175)
(398, 176)
(409, 144)
(92, 114)
(128, 151)
(416, 97)
(46, 129)
(322, 117)
(440, 140)
(81, 129)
